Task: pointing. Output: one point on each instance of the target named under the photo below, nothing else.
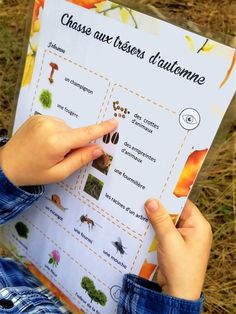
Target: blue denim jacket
(20, 292)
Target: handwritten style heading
(156, 59)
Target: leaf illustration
(89, 4)
(153, 246)
(45, 98)
(105, 7)
(207, 48)
(113, 5)
(190, 43)
(147, 269)
(100, 7)
(38, 5)
(29, 67)
(36, 26)
(189, 173)
(125, 15)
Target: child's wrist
(186, 294)
(7, 169)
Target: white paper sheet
(94, 224)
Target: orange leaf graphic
(189, 173)
(147, 269)
(89, 4)
(38, 4)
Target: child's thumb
(159, 218)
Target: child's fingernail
(97, 153)
(151, 205)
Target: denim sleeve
(139, 296)
(14, 200)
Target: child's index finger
(83, 136)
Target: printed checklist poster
(169, 89)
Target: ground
(214, 192)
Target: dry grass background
(214, 191)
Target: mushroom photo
(54, 67)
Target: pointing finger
(83, 136)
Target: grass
(216, 198)
(12, 27)
(214, 191)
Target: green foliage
(87, 284)
(12, 29)
(226, 212)
(93, 187)
(100, 298)
(22, 229)
(95, 295)
(46, 98)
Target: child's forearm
(13, 200)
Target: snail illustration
(55, 199)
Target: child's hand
(46, 150)
(183, 251)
